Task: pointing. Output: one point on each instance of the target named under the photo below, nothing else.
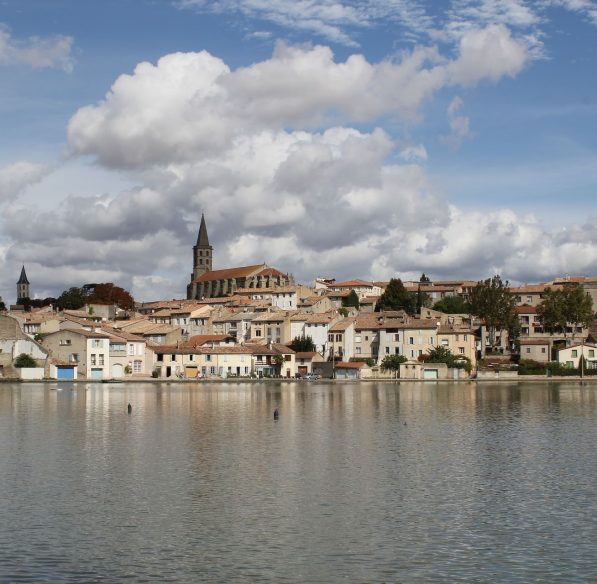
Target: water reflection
(362, 482)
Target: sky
(341, 138)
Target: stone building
(209, 283)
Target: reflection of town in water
(353, 482)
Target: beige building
(90, 350)
(536, 349)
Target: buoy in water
(129, 408)
(276, 414)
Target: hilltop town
(255, 322)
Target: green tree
(392, 362)
(444, 355)
(569, 306)
(25, 361)
(396, 297)
(492, 302)
(352, 300)
(452, 305)
(303, 344)
(72, 299)
(440, 355)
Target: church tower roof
(23, 278)
(202, 239)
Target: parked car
(311, 376)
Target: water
(371, 482)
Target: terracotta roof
(342, 325)
(270, 317)
(350, 365)
(337, 293)
(525, 309)
(227, 273)
(199, 340)
(270, 272)
(450, 329)
(306, 354)
(352, 284)
(369, 300)
(530, 288)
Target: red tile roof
(228, 273)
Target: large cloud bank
(288, 160)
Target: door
(97, 373)
(117, 370)
(431, 374)
(65, 372)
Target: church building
(209, 283)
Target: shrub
(25, 361)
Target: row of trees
(75, 298)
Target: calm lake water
(370, 482)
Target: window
(591, 352)
(397, 351)
(529, 299)
(445, 342)
(420, 352)
(397, 338)
(208, 357)
(65, 342)
(387, 350)
(96, 343)
(137, 366)
(212, 370)
(528, 349)
(431, 340)
(131, 349)
(366, 338)
(574, 353)
(257, 332)
(357, 339)
(74, 357)
(543, 349)
(456, 338)
(93, 359)
(101, 359)
(461, 350)
(339, 338)
(412, 354)
(357, 350)
(464, 337)
(411, 341)
(160, 357)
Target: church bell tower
(202, 257)
(22, 286)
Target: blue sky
(362, 138)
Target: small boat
(112, 381)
